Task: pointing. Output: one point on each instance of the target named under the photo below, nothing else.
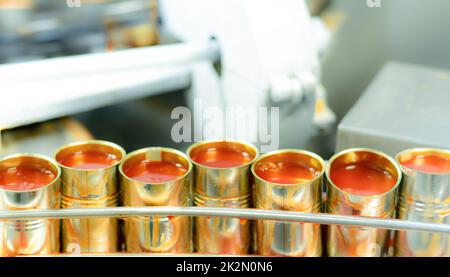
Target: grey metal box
(404, 106)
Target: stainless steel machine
(129, 71)
(275, 64)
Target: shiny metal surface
(161, 56)
(222, 187)
(289, 238)
(423, 197)
(356, 241)
(147, 254)
(157, 233)
(113, 77)
(30, 236)
(257, 214)
(86, 189)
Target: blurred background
(115, 70)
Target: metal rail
(160, 56)
(51, 88)
(321, 218)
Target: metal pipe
(171, 55)
(65, 96)
(393, 224)
(51, 88)
(143, 254)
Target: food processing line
(212, 70)
(228, 62)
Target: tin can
(425, 197)
(170, 185)
(37, 236)
(288, 180)
(367, 169)
(225, 186)
(93, 186)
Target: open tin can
(361, 182)
(157, 176)
(29, 181)
(89, 180)
(222, 179)
(424, 197)
(288, 180)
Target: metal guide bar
(144, 254)
(322, 218)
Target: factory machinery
(258, 57)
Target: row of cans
(362, 182)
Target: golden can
(89, 180)
(222, 179)
(157, 176)
(361, 182)
(289, 180)
(28, 182)
(424, 197)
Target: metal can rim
(91, 141)
(142, 150)
(404, 169)
(362, 149)
(39, 156)
(250, 145)
(290, 150)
